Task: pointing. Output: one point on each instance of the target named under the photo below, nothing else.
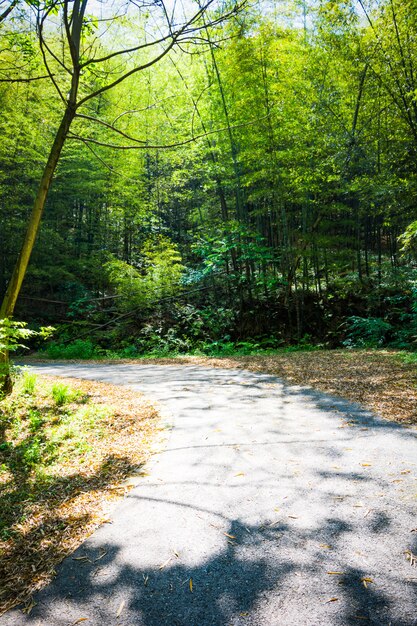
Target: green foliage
(410, 358)
(280, 231)
(78, 349)
(366, 332)
(408, 240)
(157, 276)
(28, 383)
(12, 333)
(61, 394)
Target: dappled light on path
(269, 505)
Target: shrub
(78, 349)
(366, 332)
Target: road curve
(270, 505)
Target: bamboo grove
(257, 184)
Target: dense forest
(235, 176)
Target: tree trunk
(16, 280)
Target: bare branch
(111, 55)
(109, 126)
(132, 111)
(45, 61)
(127, 75)
(53, 55)
(23, 80)
(148, 146)
(8, 10)
(187, 30)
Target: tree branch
(23, 80)
(7, 11)
(148, 146)
(186, 29)
(110, 126)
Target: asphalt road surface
(270, 505)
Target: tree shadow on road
(327, 567)
(263, 575)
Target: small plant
(35, 420)
(28, 383)
(12, 334)
(61, 394)
(366, 332)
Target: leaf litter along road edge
(376, 379)
(78, 503)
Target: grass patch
(64, 450)
(62, 394)
(81, 349)
(28, 383)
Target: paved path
(262, 490)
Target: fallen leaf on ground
(411, 557)
(375, 379)
(331, 600)
(165, 563)
(120, 609)
(29, 606)
(336, 573)
(191, 585)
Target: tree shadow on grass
(44, 518)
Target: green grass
(409, 358)
(42, 426)
(28, 383)
(64, 445)
(61, 394)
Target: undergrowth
(81, 350)
(64, 448)
(43, 427)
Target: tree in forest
(83, 65)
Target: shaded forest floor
(377, 379)
(60, 466)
